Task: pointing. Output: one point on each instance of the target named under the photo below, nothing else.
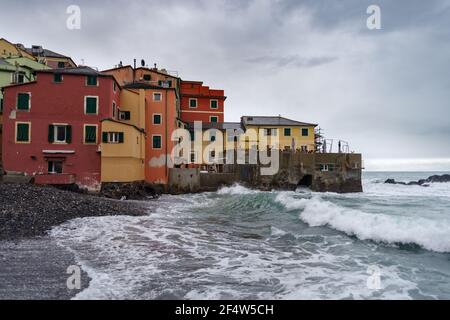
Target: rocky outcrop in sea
(422, 182)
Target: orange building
(162, 113)
(200, 103)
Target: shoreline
(29, 211)
(36, 269)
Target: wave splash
(431, 235)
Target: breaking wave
(379, 227)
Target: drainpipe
(166, 129)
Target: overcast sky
(386, 92)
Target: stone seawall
(321, 172)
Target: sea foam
(429, 234)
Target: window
(156, 142)
(113, 137)
(20, 77)
(214, 104)
(287, 132)
(193, 156)
(213, 119)
(90, 134)
(91, 80)
(147, 77)
(114, 107)
(165, 83)
(114, 86)
(1, 105)
(23, 132)
(192, 103)
(212, 136)
(57, 77)
(124, 115)
(212, 156)
(270, 132)
(55, 167)
(156, 118)
(157, 96)
(59, 133)
(326, 167)
(61, 65)
(305, 132)
(23, 101)
(90, 105)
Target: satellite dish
(143, 62)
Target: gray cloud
(291, 61)
(387, 91)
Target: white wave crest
(431, 235)
(235, 189)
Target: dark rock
(130, 191)
(422, 182)
(437, 178)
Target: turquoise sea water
(244, 244)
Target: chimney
(134, 70)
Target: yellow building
(123, 140)
(277, 133)
(8, 49)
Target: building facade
(200, 103)
(53, 126)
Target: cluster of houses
(63, 123)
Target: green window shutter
(213, 104)
(287, 132)
(157, 142)
(23, 132)
(157, 119)
(127, 115)
(51, 133)
(68, 134)
(57, 77)
(105, 137)
(304, 132)
(121, 137)
(23, 101)
(92, 80)
(91, 105)
(90, 135)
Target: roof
(18, 84)
(158, 72)
(143, 85)
(47, 53)
(273, 121)
(83, 70)
(124, 123)
(119, 67)
(4, 62)
(217, 125)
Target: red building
(200, 103)
(52, 126)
